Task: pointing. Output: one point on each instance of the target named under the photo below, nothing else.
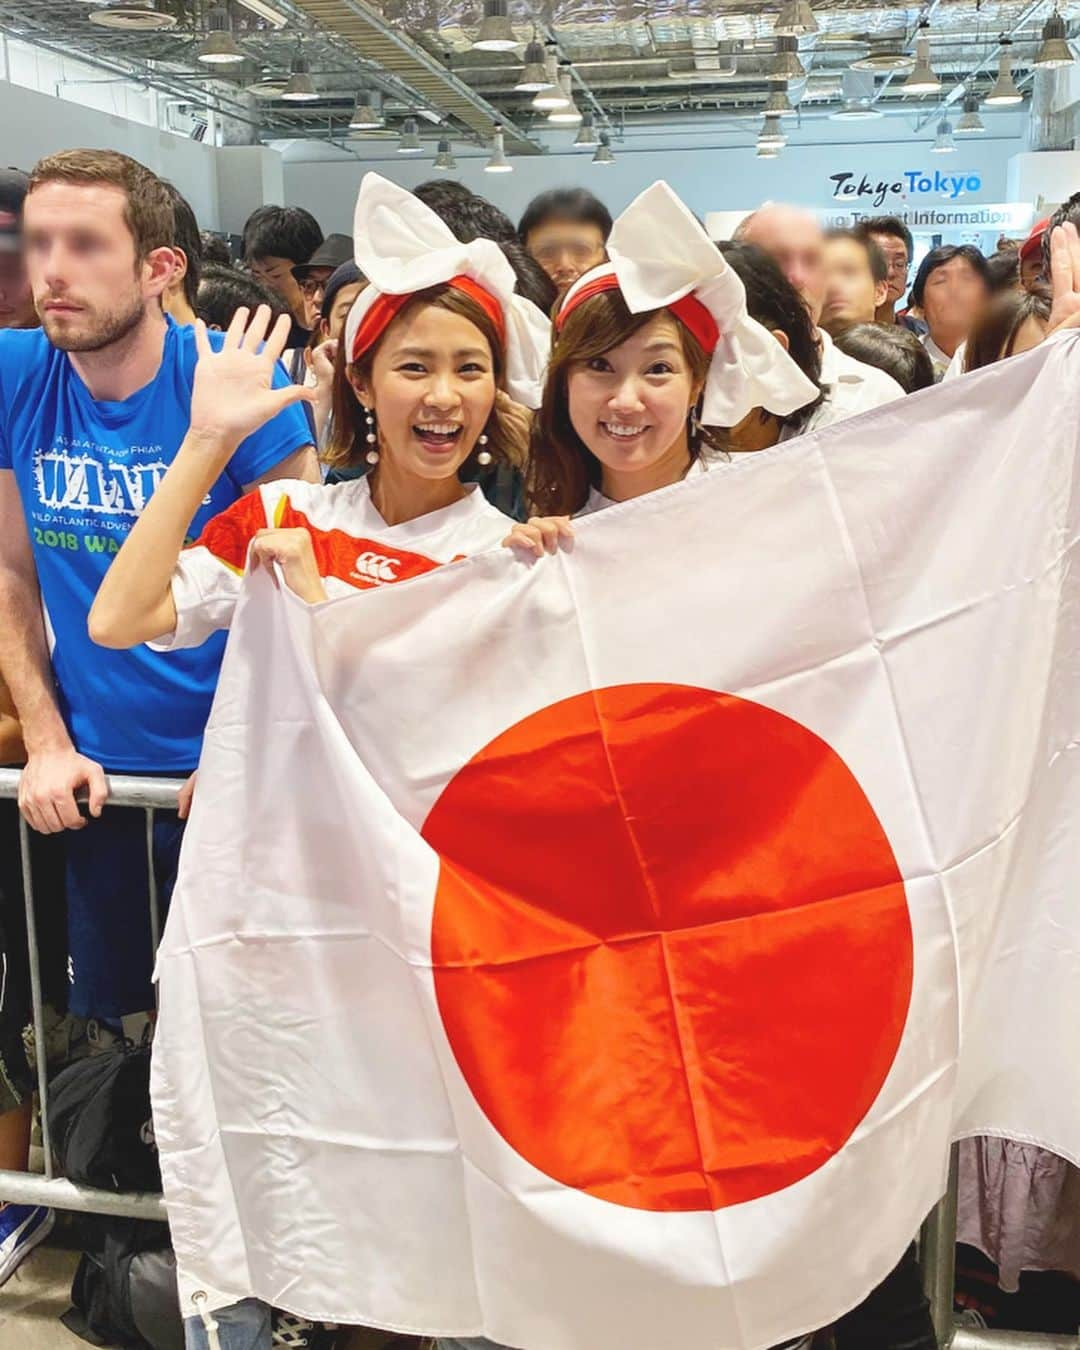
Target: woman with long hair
(435, 351)
(653, 353)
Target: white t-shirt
(354, 547)
(596, 501)
(851, 387)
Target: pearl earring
(372, 455)
(485, 456)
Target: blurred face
(795, 240)
(312, 288)
(16, 300)
(630, 405)
(1030, 333)
(898, 262)
(432, 391)
(277, 274)
(339, 311)
(566, 249)
(1031, 269)
(89, 289)
(953, 297)
(851, 293)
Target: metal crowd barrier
(26, 1188)
(937, 1245)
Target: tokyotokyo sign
(874, 191)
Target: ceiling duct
(709, 65)
(389, 49)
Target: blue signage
(911, 183)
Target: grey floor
(33, 1300)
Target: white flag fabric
(603, 952)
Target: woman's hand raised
(234, 394)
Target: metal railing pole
(155, 905)
(40, 1051)
(937, 1251)
(149, 794)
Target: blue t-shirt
(85, 470)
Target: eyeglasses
(312, 287)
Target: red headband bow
(690, 312)
(385, 308)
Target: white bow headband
(661, 258)
(402, 247)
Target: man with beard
(93, 409)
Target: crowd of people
(170, 415)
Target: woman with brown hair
(434, 351)
(653, 352)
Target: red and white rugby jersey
(354, 547)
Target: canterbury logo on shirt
(362, 563)
(376, 567)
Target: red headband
(384, 310)
(690, 312)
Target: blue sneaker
(22, 1227)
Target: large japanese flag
(603, 952)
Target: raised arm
(233, 395)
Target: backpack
(124, 1292)
(102, 1130)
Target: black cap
(13, 186)
(334, 250)
(348, 274)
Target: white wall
(248, 176)
(1046, 177)
(36, 124)
(710, 172)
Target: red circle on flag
(671, 945)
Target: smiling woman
(420, 379)
(417, 400)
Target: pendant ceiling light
(587, 136)
(444, 159)
(568, 115)
(857, 95)
(534, 76)
(496, 33)
(922, 79)
(1004, 91)
(365, 116)
(133, 16)
(552, 96)
(410, 142)
(301, 87)
(971, 124)
(772, 134)
(498, 163)
(603, 154)
(219, 47)
(778, 104)
(944, 144)
(1054, 52)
